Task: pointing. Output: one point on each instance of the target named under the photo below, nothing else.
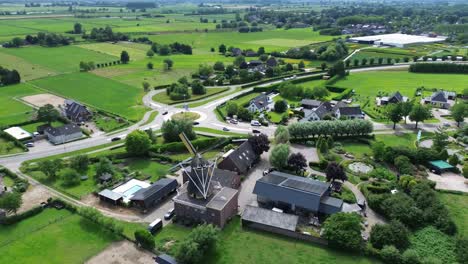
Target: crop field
(13, 111)
(59, 59)
(98, 92)
(370, 83)
(53, 235)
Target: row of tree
(439, 68)
(356, 127)
(42, 38)
(8, 77)
(174, 48)
(105, 34)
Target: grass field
(219, 132)
(31, 128)
(13, 111)
(53, 236)
(370, 83)
(149, 168)
(7, 147)
(98, 92)
(59, 59)
(458, 208)
(115, 49)
(165, 99)
(28, 71)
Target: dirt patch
(43, 99)
(123, 252)
(33, 197)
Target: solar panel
(273, 179)
(304, 186)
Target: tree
(231, 108)
(419, 113)
(137, 143)
(79, 163)
(124, 57)
(301, 65)
(188, 252)
(164, 50)
(337, 69)
(169, 63)
(104, 166)
(201, 240)
(219, 66)
(77, 28)
(297, 161)
(410, 256)
(356, 62)
(323, 66)
(50, 168)
(281, 135)
(261, 51)
(281, 106)
(11, 202)
(222, 48)
(459, 112)
(146, 86)
(378, 150)
(279, 156)
(319, 92)
(259, 144)
(150, 53)
(172, 128)
(150, 66)
(393, 234)
(465, 170)
(394, 113)
(406, 108)
(69, 177)
(403, 164)
(453, 160)
(461, 249)
(239, 60)
(198, 88)
(390, 254)
(334, 171)
(439, 141)
(47, 113)
(145, 239)
(343, 231)
(244, 114)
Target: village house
(395, 98)
(440, 99)
(76, 112)
(259, 103)
(63, 134)
(239, 160)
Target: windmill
(200, 174)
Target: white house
(259, 103)
(63, 134)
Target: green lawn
(31, 128)
(457, 205)
(60, 59)
(151, 118)
(28, 71)
(108, 124)
(220, 132)
(368, 84)
(13, 111)
(8, 147)
(149, 168)
(186, 115)
(8, 182)
(53, 236)
(165, 99)
(241, 101)
(98, 92)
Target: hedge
(18, 217)
(343, 95)
(439, 68)
(180, 147)
(15, 141)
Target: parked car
(255, 123)
(225, 129)
(169, 214)
(196, 123)
(255, 131)
(29, 145)
(165, 112)
(233, 121)
(115, 139)
(265, 172)
(155, 226)
(35, 134)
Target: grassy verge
(196, 104)
(151, 118)
(165, 99)
(219, 132)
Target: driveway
(449, 181)
(310, 153)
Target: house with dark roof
(259, 103)
(271, 62)
(225, 178)
(255, 63)
(236, 52)
(250, 53)
(296, 194)
(310, 104)
(349, 112)
(76, 112)
(63, 134)
(395, 98)
(148, 197)
(439, 99)
(324, 109)
(239, 160)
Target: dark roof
(74, 109)
(338, 105)
(310, 102)
(64, 130)
(236, 51)
(439, 97)
(225, 178)
(397, 96)
(105, 176)
(42, 128)
(331, 201)
(295, 182)
(272, 62)
(255, 63)
(250, 53)
(323, 109)
(350, 110)
(222, 198)
(270, 218)
(155, 190)
(110, 195)
(260, 101)
(242, 158)
(226, 194)
(165, 259)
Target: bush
(393, 234)
(391, 255)
(410, 256)
(19, 217)
(343, 231)
(145, 239)
(461, 249)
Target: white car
(29, 145)
(255, 123)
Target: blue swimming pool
(132, 190)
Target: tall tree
(406, 108)
(343, 231)
(419, 113)
(279, 156)
(137, 143)
(334, 171)
(222, 48)
(440, 140)
(281, 135)
(297, 161)
(47, 113)
(459, 112)
(77, 28)
(259, 143)
(124, 57)
(50, 168)
(394, 113)
(11, 202)
(231, 108)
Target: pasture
(60, 59)
(97, 92)
(53, 235)
(13, 111)
(115, 49)
(28, 71)
(370, 83)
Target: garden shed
(440, 166)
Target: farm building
(395, 40)
(349, 112)
(269, 220)
(310, 104)
(150, 196)
(109, 196)
(239, 160)
(18, 133)
(63, 134)
(76, 112)
(293, 193)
